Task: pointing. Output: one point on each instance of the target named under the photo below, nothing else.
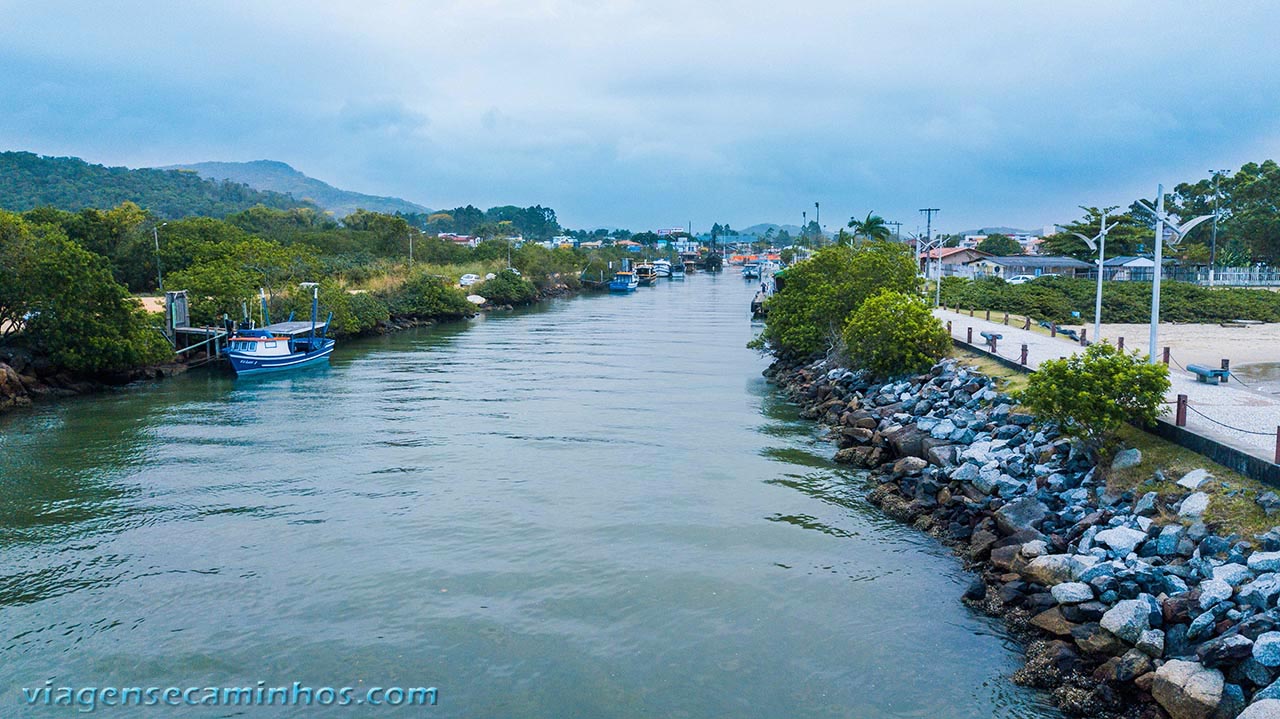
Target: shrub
(426, 296)
(506, 288)
(1091, 394)
(352, 313)
(893, 334)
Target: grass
(1007, 379)
(1232, 509)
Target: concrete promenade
(1212, 408)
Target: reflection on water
(594, 508)
(1259, 376)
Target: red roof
(945, 252)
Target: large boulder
(12, 392)
(1266, 649)
(1052, 569)
(1127, 458)
(1264, 561)
(906, 442)
(1021, 514)
(1187, 690)
(1128, 619)
(1194, 506)
(1121, 540)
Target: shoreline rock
(1130, 604)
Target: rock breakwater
(1131, 604)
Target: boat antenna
(266, 318)
(315, 303)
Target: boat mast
(266, 318)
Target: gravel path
(1231, 404)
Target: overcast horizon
(645, 115)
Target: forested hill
(280, 177)
(28, 181)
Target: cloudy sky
(656, 113)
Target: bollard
(1181, 416)
(988, 315)
(1024, 355)
(1084, 337)
(970, 311)
(1120, 344)
(948, 327)
(1277, 445)
(1006, 318)
(1053, 329)
(969, 336)
(1026, 323)
(1226, 365)
(1166, 356)
(992, 344)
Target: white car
(1020, 279)
(514, 271)
(468, 280)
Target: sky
(655, 114)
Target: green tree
(1131, 235)
(427, 296)
(1000, 245)
(893, 334)
(872, 227)
(1091, 394)
(507, 288)
(807, 315)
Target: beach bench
(991, 338)
(1209, 375)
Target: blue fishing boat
(677, 271)
(282, 346)
(624, 281)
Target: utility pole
(410, 250)
(928, 212)
(817, 212)
(1213, 243)
(155, 233)
(897, 230)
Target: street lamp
(928, 212)
(1177, 232)
(155, 233)
(1213, 243)
(1100, 246)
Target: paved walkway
(1210, 406)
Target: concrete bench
(1209, 375)
(991, 338)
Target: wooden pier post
(1226, 365)
(1024, 355)
(1120, 343)
(969, 336)
(1165, 359)
(1180, 417)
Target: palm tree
(872, 228)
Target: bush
(427, 297)
(1091, 394)
(506, 288)
(809, 311)
(894, 334)
(353, 314)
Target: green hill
(28, 181)
(280, 177)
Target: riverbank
(26, 378)
(1130, 601)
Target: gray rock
(1261, 709)
(1271, 691)
(1270, 503)
(1194, 506)
(1213, 591)
(1034, 548)
(1233, 702)
(1151, 642)
(1261, 592)
(1187, 690)
(1233, 574)
(1128, 619)
(1167, 542)
(1266, 649)
(1200, 626)
(965, 473)
(1021, 514)
(1072, 592)
(1193, 479)
(1121, 540)
(909, 465)
(1127, 458)
(1054, 569)
(1264, 561)
(1146, 505)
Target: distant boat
(677, 272)
(751, 271)
(624, 281)
(663, 267)
(646, 274)
(282, 346)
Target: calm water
(596, 508)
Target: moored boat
(624, 281)
(662, 267)
(677, 272)
(646, 274)
(282, 346)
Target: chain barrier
(1227, 426)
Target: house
(950, 257)
(1129, 268)
(1033, 265)
(631, 245)
(466, 240)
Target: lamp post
(817, 217)
(155, 233)
(937, 281)
(1177, 232)
(1213, 243)
(1101, 248)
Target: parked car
(468, 280)
(1020, 279)
(514, 271)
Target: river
(592, 508)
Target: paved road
(1211, 406)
